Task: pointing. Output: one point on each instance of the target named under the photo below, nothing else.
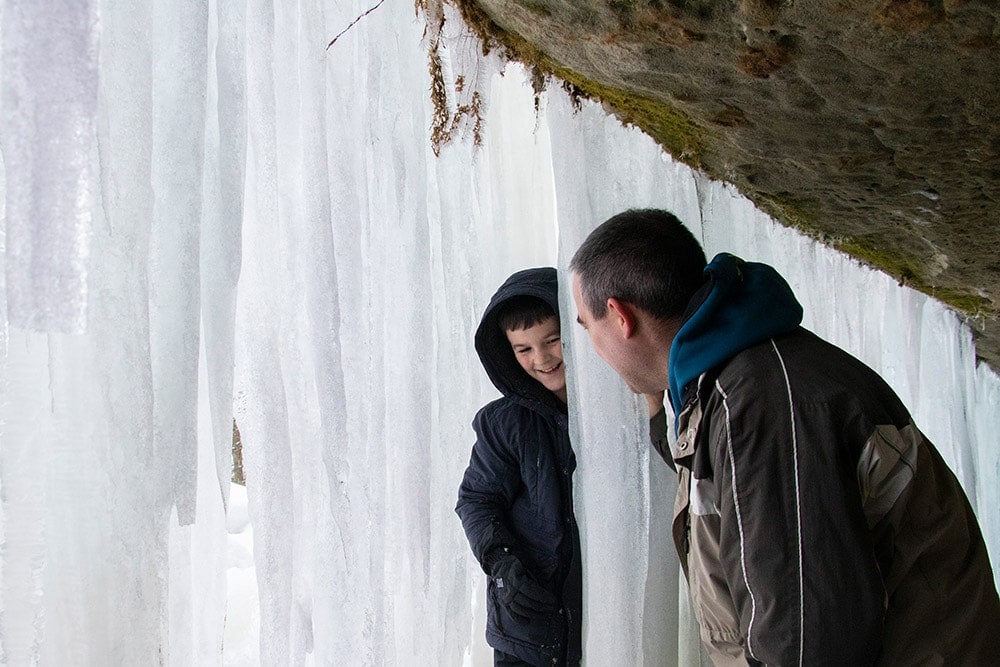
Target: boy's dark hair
(646, 257)
(522, 312)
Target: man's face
(628, 356)
(538, 350)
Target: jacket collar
(741, 304)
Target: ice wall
(242, 221)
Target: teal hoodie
(746, 303)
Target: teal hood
(742, 304)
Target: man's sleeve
(488, 488)
(658, 437)
(794, 544)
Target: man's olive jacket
(815, 522)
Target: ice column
(100, 426)
(624, 493)
(367, 261)
(49, 105)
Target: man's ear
(624, 316)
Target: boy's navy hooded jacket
(517, 491)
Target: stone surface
(872, 126)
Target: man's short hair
(523, 312)
(646, 257)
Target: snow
(242, 631)
(215, 217)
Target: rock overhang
(872, 127)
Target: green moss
(903, 271)
(794, 214)
(668, 126)
(785, 210)
(972, 305)
(896, 266)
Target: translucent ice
(47, 134)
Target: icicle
(48, 136)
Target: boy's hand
(522, 595)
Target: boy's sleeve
(488, 488)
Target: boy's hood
(741, 304)
(494, 348)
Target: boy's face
(539, 351)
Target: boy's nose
(542, 359)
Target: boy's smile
(538, 349)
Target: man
(815, 523)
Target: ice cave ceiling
(872, 126)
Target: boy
(516, 499)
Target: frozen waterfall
(207, 213)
